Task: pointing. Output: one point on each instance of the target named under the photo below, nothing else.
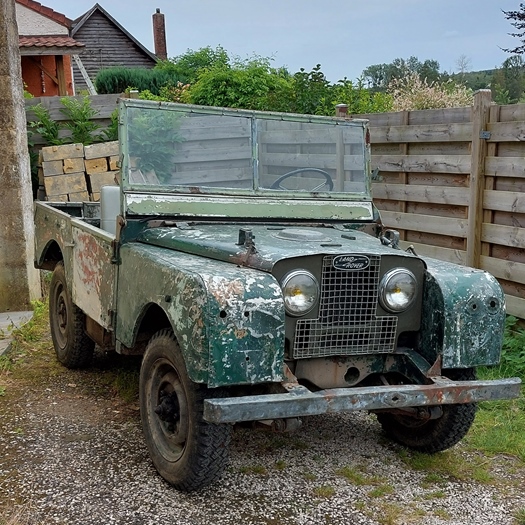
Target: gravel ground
(74, 455)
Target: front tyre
(434, 435)
(187, 451)
(74, 349)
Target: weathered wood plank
(212, 155)
(506, 235)
(515, 306)
(103, 104)
(431, 194)
(509, 270)
(505, 166)
(510, 201)
(425, 223)
(421, 163)
(436, 252)
(506, 131)
(211, 176)
(436, 133)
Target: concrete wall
(33, 23)
(19, 281)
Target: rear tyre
(187, 451)
(434, 435)
(74, 349)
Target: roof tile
(48, 41)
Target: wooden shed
(107, 44)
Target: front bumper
(299, 401)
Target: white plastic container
(109, 208)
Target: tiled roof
(48, 41)
(46, 11)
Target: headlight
(300, 291)
(397, 290)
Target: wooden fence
(452, 182)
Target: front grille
(347, 322)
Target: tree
(378, 77)
(250, 84)
(463, 64)
(518, 21)
(189, 65)
(508, 84)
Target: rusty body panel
(265, 207)
(465, 316)
(300, 401)
(87, 252)
(229, 321)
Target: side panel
(463, 317)
(87, 253)
(228, 320)
(93, 273)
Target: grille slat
(347, 322)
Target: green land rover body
(241, 254)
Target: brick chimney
(159, 35)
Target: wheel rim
(61, 317)
(168, 410)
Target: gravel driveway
(73, 453)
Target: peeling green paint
(464, 316)
(229, 321)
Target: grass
(499, 427)
(357, 476)
(258, 470)
(519, 517)
(446, 466)
(324, 491)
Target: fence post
(341, 110)
(480, 119)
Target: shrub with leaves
(46, 126)
(80, 122)
(411, 92)
(118, 79)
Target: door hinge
(484, 135)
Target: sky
(344, 36)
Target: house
(46, 48)
(106, 44)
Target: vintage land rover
(242, 255)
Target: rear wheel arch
(50, 256)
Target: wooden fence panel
(433, 164)
(453, 184)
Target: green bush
(80, 122)
(118, 79)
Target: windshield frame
(128, 186)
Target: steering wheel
(328, 182)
